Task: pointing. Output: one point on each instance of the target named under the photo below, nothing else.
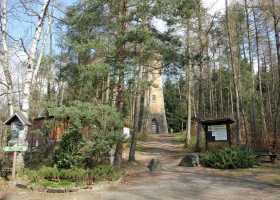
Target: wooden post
(14, 165)
(228, 134)
(206, 136)
(112, 157)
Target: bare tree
(31, 66)
(5, 57)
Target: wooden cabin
(45, 129)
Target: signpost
(126, 132)
(14, 165)
(15, 149)
(19, 124)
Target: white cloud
(214, 6)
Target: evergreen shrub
(92, 131)
(229, 158)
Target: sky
(25, 31)
(214, 5)
(211, 5)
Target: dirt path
(170, 183)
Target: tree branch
(7, 93)
(23, 46)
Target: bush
(229, 158)
(93, 130)
(67, 155)
(96, 151)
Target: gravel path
(171, 183)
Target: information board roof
(217, 121)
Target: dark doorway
(155, 126)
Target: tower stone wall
(156, 121)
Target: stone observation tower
(156, 119)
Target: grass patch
(105, 173)
(139, 148)
(143, 136)
(57, 184)
(65, 178)
(3, 185)
(276, 180)
(269, 174)
(179, 137)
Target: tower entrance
(155, 126)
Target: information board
(219, 132)
(126, 132)
(18, 148)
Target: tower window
(154, 97)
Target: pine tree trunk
(269, 84)
(189, 103)
(120, 85)
(221, 89)
(51, 65)
(188, 69)
(277, 42)
(263, 130)
(200, 64)
(252, 91)
(119, 105)
(137, 110)
(233, 53)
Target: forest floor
(173, 182)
